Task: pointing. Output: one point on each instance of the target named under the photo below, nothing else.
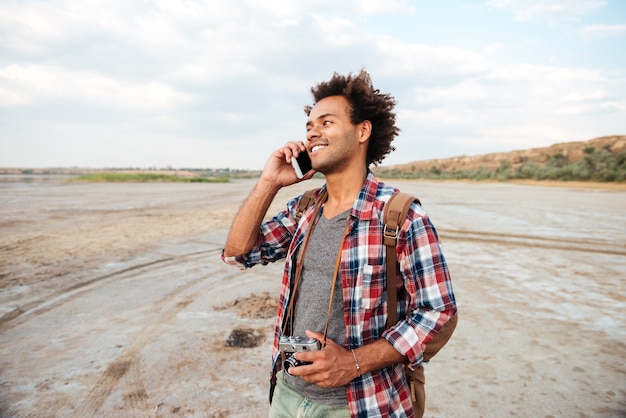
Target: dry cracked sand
(114, 302)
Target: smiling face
(333, 142)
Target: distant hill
(599, 159)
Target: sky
(221, 84)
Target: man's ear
(365, 131)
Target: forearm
(382, 353)
(245, 226)
(335, 366)
(376, 356)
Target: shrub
(596, 165)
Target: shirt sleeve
(427, 282)
(273, 241)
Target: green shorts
(288, 403)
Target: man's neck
(343, 189)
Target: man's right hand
(278, 170)
(277, 173)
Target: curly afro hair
(366, 103)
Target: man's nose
(312, 134)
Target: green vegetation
(146, 177)
(596, 165)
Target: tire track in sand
(38, 307)
(127, 369)
(125, 373)
(535, 241)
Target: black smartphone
(302, 164)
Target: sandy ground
(114, 303)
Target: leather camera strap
(300, 261)
(335, 276)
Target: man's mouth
(317, 148)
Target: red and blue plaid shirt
(425, 299)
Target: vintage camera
(294, 344)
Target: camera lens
(290, 362)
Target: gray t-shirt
(312, 300)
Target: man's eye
(327, 122)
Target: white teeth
(317, 148)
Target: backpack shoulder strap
(394, 214)
(306, 201)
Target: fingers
(327, 351)
(278, 170)
(293, 149)
(319, 337)
(327, 367)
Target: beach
(114, 301)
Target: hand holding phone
(301, 164)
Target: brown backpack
(394, 214)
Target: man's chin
(321, 170)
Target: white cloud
(428, 60)
(516, 106)
(32, 84)
(219, 78)
(337, 32)
(440, 116)
(370, 7)
(553, 11)
(602, 31)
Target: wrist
(266, 187)
(356, 363)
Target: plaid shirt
(425, 299)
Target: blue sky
(207, 83)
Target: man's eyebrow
(309, 122)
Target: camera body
(294, 344)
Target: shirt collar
(364, 204)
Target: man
(358, 372)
